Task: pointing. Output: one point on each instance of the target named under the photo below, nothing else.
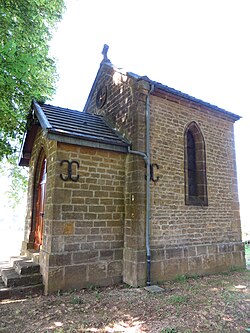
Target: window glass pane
(191, 158)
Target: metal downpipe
(148, 250)
(146, 157)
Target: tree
(26, 70)
(17, 181)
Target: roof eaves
(180, 94)
(82, 140)
(87, 137)
(195, 100)
(41, 116)
(27, 145)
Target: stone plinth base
(191, 260)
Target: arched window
(195, 167)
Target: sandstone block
(61, 259)
(115, 268)
(68, 228)
(75, 277)
(84, 257)
(97, 272)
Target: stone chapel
(139, 187)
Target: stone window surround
(201, 199)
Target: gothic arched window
(195, 167)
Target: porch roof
(71, 126)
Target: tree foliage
(17, 180)
(26, 70)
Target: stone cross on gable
(105, 52)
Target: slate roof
(161, 87)
(178, 93)
(83, 128)
(83, 125)
(71, 126)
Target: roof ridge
(166, 88)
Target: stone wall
(125, 110)
(188, 239)
(84, 244)
(175, 227)
(83, 236)
(94, 231)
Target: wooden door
(39, 216)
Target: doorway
(39, 199)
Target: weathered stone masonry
(184, 239)
(193, 239)
(125, 110)
(94, 228)
(83, 232)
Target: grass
(181, 278)
(177, 299)
(168, 330)
(76, 300)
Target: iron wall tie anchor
(69, 169)
(152, 171)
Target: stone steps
(20, 277)
(12, 279)
(26, 267)
(17, 292)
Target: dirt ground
(218, 303)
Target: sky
(199, 47)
